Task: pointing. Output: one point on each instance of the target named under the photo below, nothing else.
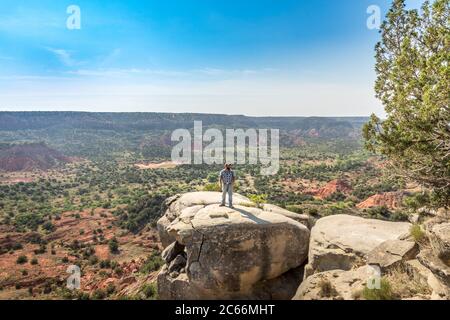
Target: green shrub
(417, 233)
(17, 246)
(154, 263)
(110, 289)
(22, 259)
(34, 261)
(93, 260)
(28, 221)
(146, 210)
(105, 264)
(384, 293)
(295, 209)
(149, 291)
(98, 294)
(113, 245)
(212, 187)
(48, 226)
(258, 199)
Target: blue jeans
(227, 188)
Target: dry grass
(326, 289)
(395, 285)
(405, 286)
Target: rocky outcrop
(423, 275)
(335, 284)
(245, 252)
(343, 241)
(390, 254)
(31, 156)
(439, 235)
(192, 202)
(435, 265)
(331, 188)
(436, 258)
(304, 219)
(391, 200)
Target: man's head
(228, 166)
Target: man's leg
(224, 193)
(230, 194)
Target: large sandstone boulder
(302, 218)
(245, 252)
(423, 275)
(435, 265)
(391, 253)
(194, 200)
(439, 235)
(335, 284)
(343, 241)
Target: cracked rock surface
(236, 253)
(343, 241)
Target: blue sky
(254, 57)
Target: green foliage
(149, 291)
(22, 259)
(147, 209)
(417, 233)
(417, 200)
(29, 221)
(110, 289)
(413, 81)
(153, 263)
(93, 260)
(212, 187)
(48, 226)
(113, 246)
(384, 293)
(258, 199)
(98, 294)
(378, 212)
(213, 177)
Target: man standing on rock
(226, 181)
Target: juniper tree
(413, 83)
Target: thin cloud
(64, 56)
(210, 72)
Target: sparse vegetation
(153, 263)
(417, 233)
(113, 246)
(383, 293)
(22, 259)
(326, 289)
(149, 291)
(123, 202)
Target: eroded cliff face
(224, 253)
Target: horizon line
(185, 113)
